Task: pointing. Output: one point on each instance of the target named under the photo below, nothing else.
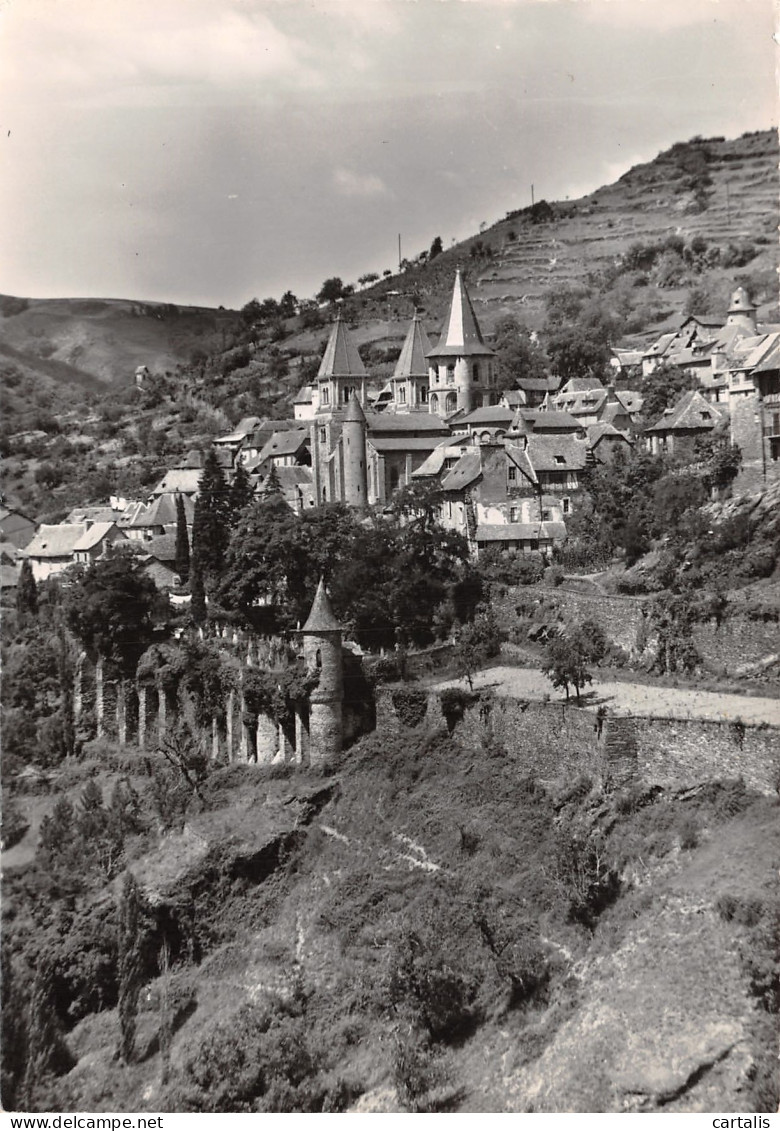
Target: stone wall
(558, 743)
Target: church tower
(341, 371)
(461, 367)
(322, 654)
(410, 379)
(353, 455)
(741, 311)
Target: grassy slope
(634, 1010)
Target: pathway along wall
(558, 743)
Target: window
(451, 403)
(434, 402)
(423, 395)
(566, 505)
(402, 394)
(514, 514)
(323, 436)
(560, 459)
(475, 373)
(449, 508)
(546, 516)
(325, 395)
(511, 473)
(348, 391)
(450, 374)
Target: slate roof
(341, 357)
(162, 547)
(380, 422)
(466, 470)
(556, 453)
(403, 443)
(692, 412)
(435, 461)
(56, 541)
(162, 512)
(185, 480)
(95, 535)
(321, 618)
(597, 432)
(94, 514)
(305, 395)
(521, 532)
(581, 385)
(286, 443)
(492, 414)
(412, 360)
(460, 334)
(546, 420)
(9, 576)
(244, 427)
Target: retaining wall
(558, 743)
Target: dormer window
(325, 395)
(511, 473)
(402, 395)
(560, 459)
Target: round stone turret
(322, 654)
(353, 454)
(741, 311)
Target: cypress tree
(130, 966)
(242, 493)
(43, 1037)
(182, 563)
(27, 592)
(198, 603)
(271, 486)
(210, 527)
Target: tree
(517, 355)
(436, 248)
(198, 609)
(182, 563)
(130, 966)
(331, 290)
(211, 523)
(27, 592)
(288, 305)
(242, 493)
(111, 610)
(271, 484)
(664, 387)
(568, 654)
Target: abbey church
(363, 452)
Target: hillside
(94, 342)
(426, 927)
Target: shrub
(454, 701)
(746, 910)
(411, 704)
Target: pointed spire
(321, 617)
(460, 334)
(411, 362)
(354, 412)
(341, 357)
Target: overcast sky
(209, 151)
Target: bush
(411, 704)
(454, 701)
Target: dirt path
(632, 698)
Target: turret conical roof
(341, 357)
(321, 617)
(740, 302)
(461, 335)
(412, 361)
(354, 411)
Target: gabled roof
(460, 334)
(94, 514)
(771, 361)
(447, 449)
(597, 432)
(305, 395)
(546, 420)
(692, 412)
(556, 453)
(246, 425)
(56, 541)
(162, 547)
(321, 617)
(412, 360)
(466, 470)
(659, 347)
(341, 357)
(519, 458)
(162, 511)
(185, 480)
(580, 385)
(95, 535)
(286, 443)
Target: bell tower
(461, 367)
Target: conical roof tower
(341, 371)
(461, 373)
(460, 334)
(321, 617)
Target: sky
(211, 151)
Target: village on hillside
(508, 465)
